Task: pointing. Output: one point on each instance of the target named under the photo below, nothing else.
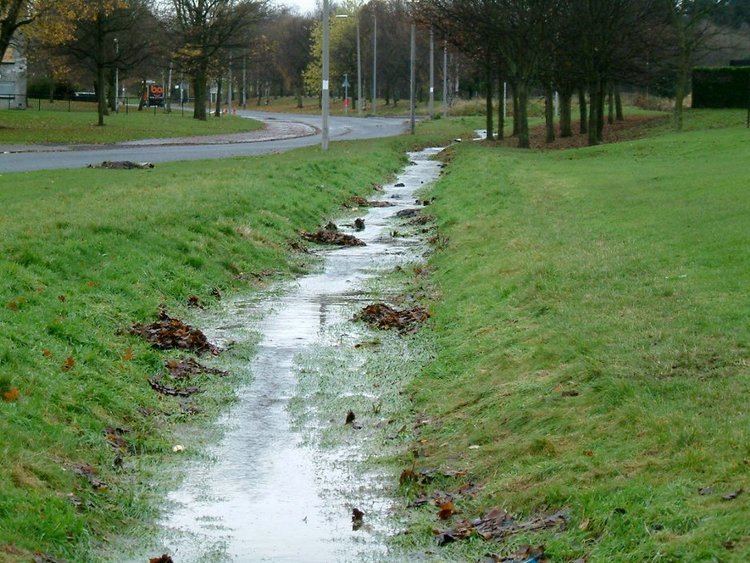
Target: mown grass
(47, 126)
(619, 273)
(83, 254)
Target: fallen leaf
(128, 355)
(11, 395)
(46, 353)
(91, 283)
(584, 525)
(447, 509)
(12, 305)
(165, 558)
(69, 363)
(61, 298)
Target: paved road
(342, 128)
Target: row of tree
(578, 48)
(584, 49)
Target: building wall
(13, 75)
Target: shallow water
(269, 494)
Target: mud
(274, 485)
(333, 237)
(386, 317)
(168, 333)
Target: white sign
(325, 85)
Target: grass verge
(87, 252)
(592, 344)
(32, 127)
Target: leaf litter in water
(332, 237)
(386, 317)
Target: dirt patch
(386, 317)
(498, 524)
(634, 127)
(167, 333)
(123, 165)
(332, 237)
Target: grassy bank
(31, 126)
(87, 252)
(591, 343)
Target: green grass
(31, 126)
(619, 272)
(84, 253)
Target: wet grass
(84, 253)
(39, 127)
(591, 343)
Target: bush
(40, 88)
(721, 87)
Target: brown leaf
(447, 509)
(383, 316)
(11, 395)
(127, 355)
(91, 283)
(165, 558)
(584, 525)
(61, 298)
(12, 305)
(46, 353)
(69, 363)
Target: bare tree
(203, 28)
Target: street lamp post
(412, 78)
(117, 75)
(324, 86)
(374, 62)
(445, 79)
(359, 71)
(432, 73)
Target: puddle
(268, 489)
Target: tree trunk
(593, 125)
(101, 93)
(583, 124)
(549, 112)
(611, 104)
(298, 94)
(515, 108)
(488, 101)
(683, 77)
(142, 97)
(111, 94)
(618, 104)
(500, 109)
(600, 112)
(199, 92)
(523, 115)
(217, 113)
(566, 129)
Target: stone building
(13, 80)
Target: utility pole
(445, 79)
(324, 86)
(359, 71)
(169, 89)
(229, 86)
(244, 81)
(346, 93)
(412, 78)
(117, 75)
(374, 62)
(432, 73)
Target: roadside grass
(591, 340)
(35, 127)
(85, 253)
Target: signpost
(346, 93)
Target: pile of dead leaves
(498, 525)
(332, 237)
(359, 201)
(167, 333)
(123, 165)
(182, 370)
(385, 317)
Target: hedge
(721, 87)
